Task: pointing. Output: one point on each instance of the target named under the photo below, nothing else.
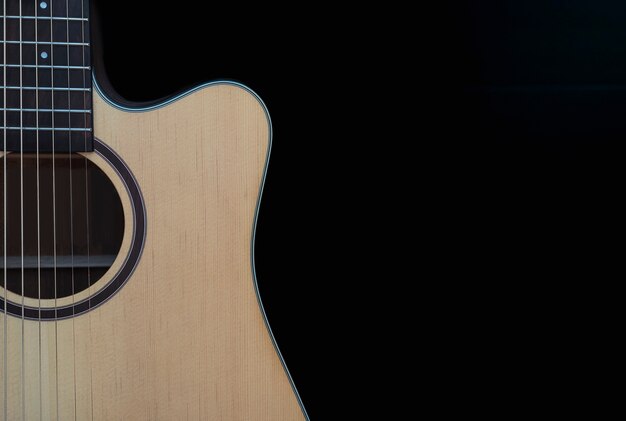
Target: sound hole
(62, 237)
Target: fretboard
(45, 76)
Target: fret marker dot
(44, 55)
(43, 5)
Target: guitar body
(184, 335)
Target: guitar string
(38, 204)
(23, 396)
(4, 213)
(54, 215)
(71, 175)
(85, 105)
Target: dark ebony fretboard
(45, 75)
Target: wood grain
(185, 338)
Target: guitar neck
(45, 76)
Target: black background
(299, 69)
(528, 103)
(528, 100)
(534, 96)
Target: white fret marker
(44, 55)
(43, 5)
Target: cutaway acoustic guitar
(127, 289)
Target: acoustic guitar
(127, 289)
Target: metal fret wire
(48, 17)
(73, 44)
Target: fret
(45, 17)
(84, 44)
(32, 66)
(44, 110)
(72, 129)
(46, 88)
